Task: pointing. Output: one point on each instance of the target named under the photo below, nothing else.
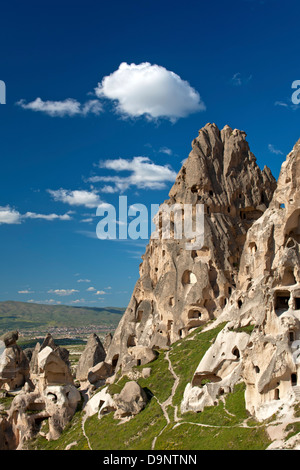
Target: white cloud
(83, 280)
(151, 91)
(12, 216)
(78, 301)
(100, 292)
(76, 198)
(9, 216)
(272, 149)
(91, 289)
(33, 215)
(144, 174)
(281, 103)
(62, 292)
(68, 107)
(26, 291)
(166, 150)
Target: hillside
(161, 426)
(28, 317)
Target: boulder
(130, 401)
(92, 355)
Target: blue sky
(79, 128)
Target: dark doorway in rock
(282, 300)
(294, 379)
(276, 394)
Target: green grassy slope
(23, 315)
(224, 426)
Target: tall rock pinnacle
(181, 289)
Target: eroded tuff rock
(48, 393)
(268, 297)
(181, 289)
(91, 356)
(14, 365)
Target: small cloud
(68, 107)
(89, 199)
(238, 80)
(91, 289)
(166, 150)
(26, 291)
(33, 215)
(144, 174)
(62, 292)
(83, 280)
(78, 301)
(281, 103)
(272, 149)
(100, 292)
(9, 215)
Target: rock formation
(91, 356)
(48, 393)
(180, 289)
(268, 297)
(14, 365)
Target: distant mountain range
(29, 316)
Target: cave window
(240, 303)
(195, 314)
(139, 316)
(211, 193)
(282, 300)
(291, 336)
(229, 290)
(297, 303)
(171, 302)
(228, 210)
(163, 252)
(262, 198)
(276, 394)
(115, 361)
(253, 247)
(236, 353)
(207, 209)
(194, 188)
(138, 362)
(131, 341)
(294, 379)
(257, 369)
(181, 333)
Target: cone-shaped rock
(180, 289)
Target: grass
(193, 437)
(186, 355)
(218, 427)
(136, 434)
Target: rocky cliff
(179, 289)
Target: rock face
(14, 365)
(180, 289)
(91, 356)
(130, 401)
(268, 297)
(48, 393)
